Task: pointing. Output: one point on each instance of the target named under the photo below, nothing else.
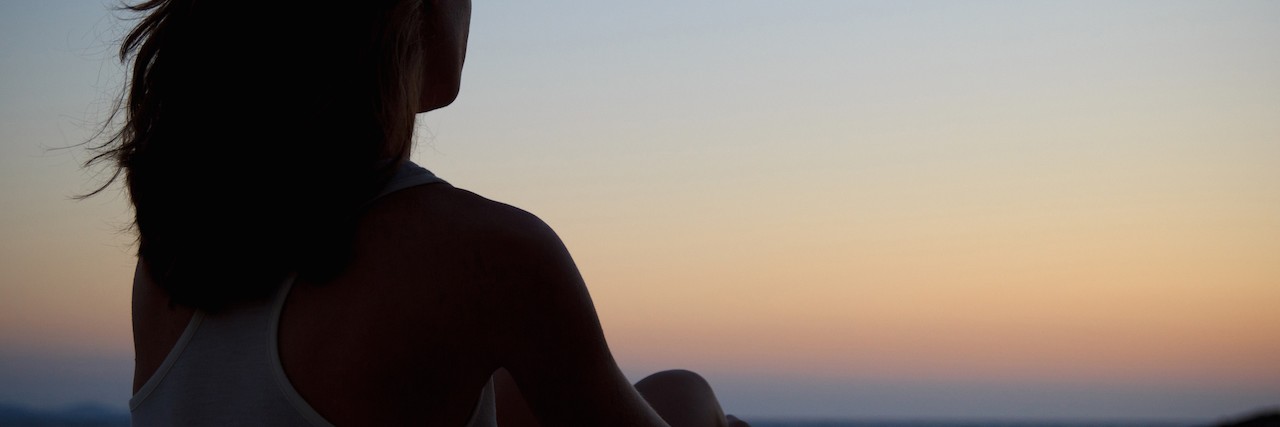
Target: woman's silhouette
(294, 267)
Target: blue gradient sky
(1013, 209)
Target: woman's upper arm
(550, 338)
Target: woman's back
(444, 288)
(397, 335)
(404, 332)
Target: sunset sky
(901, 209)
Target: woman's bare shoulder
(489, 245)
(439, 264)
(446, 209)
(539, 322)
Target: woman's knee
(676, 379)
(682, 398)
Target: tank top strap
(408, 175)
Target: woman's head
(252, 134)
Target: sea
(97, 417)
(967, 423)
(123, 421)
(100, 416)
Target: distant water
(123, 421)
(120, 420)
(99, 416)
(85, 415)
(946, 423)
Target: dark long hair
(253, 133)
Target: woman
(295, 269)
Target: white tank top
(225, 368)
